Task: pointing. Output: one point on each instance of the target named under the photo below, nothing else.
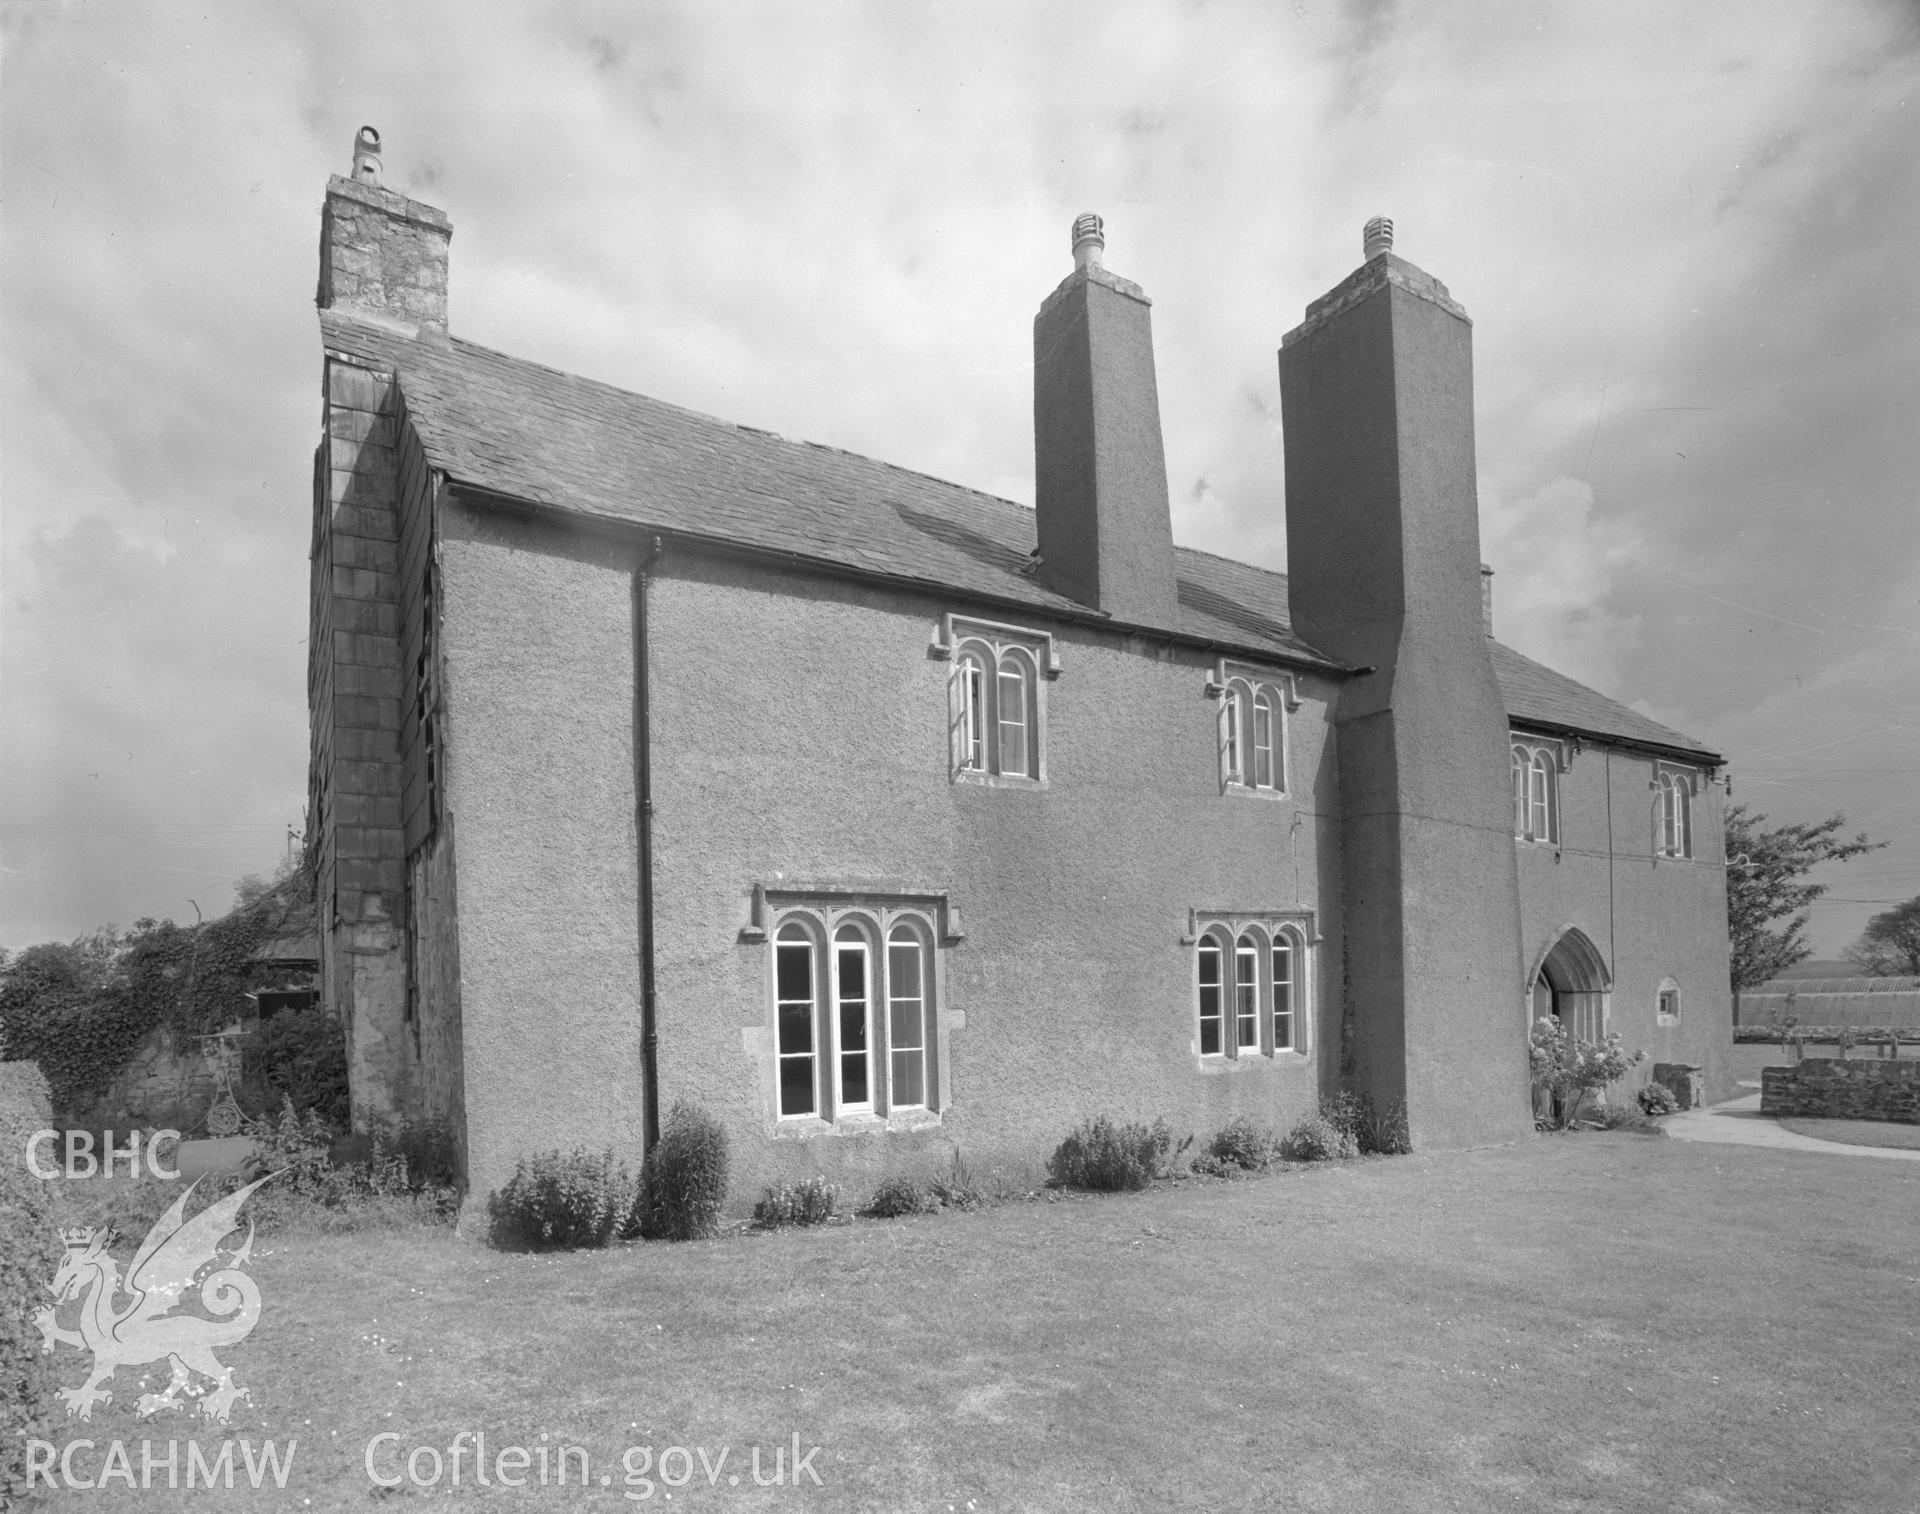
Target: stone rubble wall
(1843, 1089)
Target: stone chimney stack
(1383, 560)
(1100, 474)
(383, 260)
(381, 254)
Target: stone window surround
(1683, 782)
(1560, 758)
(1228, 927)
(823, 911)
(991, 641)
(1239, 687)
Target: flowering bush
(1319, 1139)
(1107, 1157)
(1570, 1068)
(561, 1201)
(812, 1201)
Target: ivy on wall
(80, 1009)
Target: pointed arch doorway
(1570, 982)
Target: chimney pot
(1089, 240)
(366, 156)
(1377, 238)
(1486, 598)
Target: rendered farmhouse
(656, 757)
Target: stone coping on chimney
(392, 202)
(1093, 273)
(1370, 278)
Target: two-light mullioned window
(1536, 790)
(1253, 739)
(996, 712)
(1675, 788)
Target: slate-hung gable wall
(536, 596)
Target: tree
(80, 1009)
(1767, 882)
(1890, 945)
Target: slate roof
(533, 433)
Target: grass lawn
(1598, 1322)
(1892, 1133)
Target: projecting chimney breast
(1100, 474)
(382, 255)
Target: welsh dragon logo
(146, 1327)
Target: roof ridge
(719, 420)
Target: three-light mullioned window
(854, 1013)
(1249, 984)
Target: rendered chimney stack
(1100, 471)
(1384, 573)
(382, 255)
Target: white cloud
(1556, 563)
(1678, 231)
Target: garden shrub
(898, 1196)
(1657, 1099)
(1318, 1139)
(958, 1190)
(1207, 1165)
(683, 1181)
(562, 1200)
(296, 1148)
(1109, 1158)
(809, 1202)
(1628, 1117)
(300, 1055)
(1245, 1143)
(408, 1174)
(1375, 1132)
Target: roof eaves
(1691, 755)
(626, 528)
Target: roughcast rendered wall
(537, 646)
(800, 738)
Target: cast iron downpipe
(643, 830)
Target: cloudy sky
(1686, 235)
